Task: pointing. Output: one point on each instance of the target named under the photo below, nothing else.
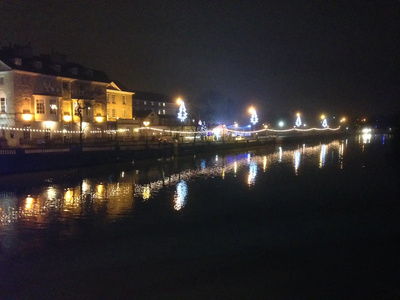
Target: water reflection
(296, 157)
(114, 195)
(180, 195)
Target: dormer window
(17, 61)
(57, 68)
(90, 73)
(74, 71)
(38, 64)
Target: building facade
(48, 98)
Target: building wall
(22, 89)
(115, 102)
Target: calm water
(296, 221)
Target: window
(17, 61)
(124, 113)
(3, 105)
(74, 71)
(57, 68)
(163, 111)
(108, 113)
(90, 73)
(27, 132)
(113, 99)
(47, 131)
(152, 103)
(145, 102)
(159, 112)
(53, 106)
(123, 99)
(1, 80)
(159, 103)
(137, 101)
(40, 106)
(108, 98)
(163, 104)
(113, 113)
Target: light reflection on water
(114, 197)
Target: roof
(53, 64)
(142, 113)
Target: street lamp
(281, 123)
(146, 124)
(324, 122)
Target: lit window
(123, 99)
(152, 103)
(113, 113)
(163, 111)
(159, 103)
(163, 104)
(145, 102)
(3, 105)
(40, 106)
(159, 112)
(17, 61)
(53, 106)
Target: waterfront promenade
(46, 157)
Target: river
(280, 222)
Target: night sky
(332, 57)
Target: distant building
(46, 97)
(161, 104)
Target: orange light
(27, 117)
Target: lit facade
(45, 97)
(119, 110)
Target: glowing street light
(281, 123)
(324, 122)
(146, 124)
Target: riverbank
(19, 160)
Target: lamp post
(182, 114)
(146, 124)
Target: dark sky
(336, 57)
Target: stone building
(48, 98)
